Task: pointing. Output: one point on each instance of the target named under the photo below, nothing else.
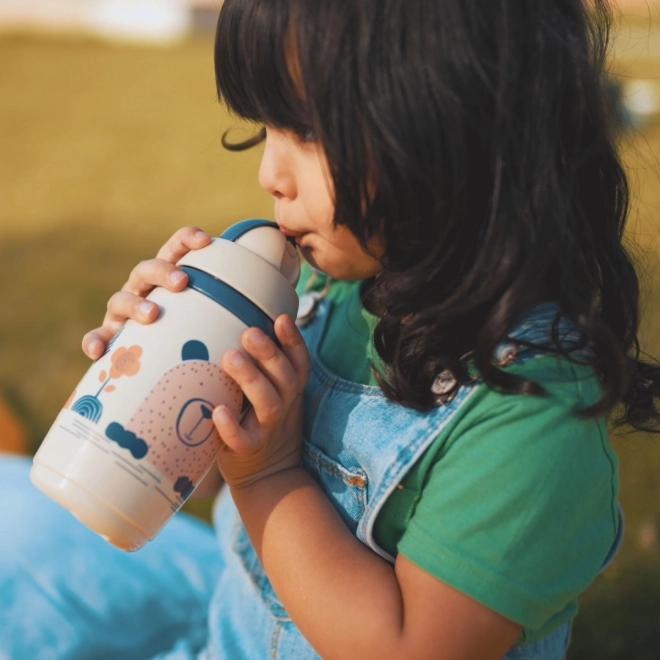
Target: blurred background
(110, 140)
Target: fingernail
(177, 276)
(237, 359)
(95, 347)
(221, 414)
(257, 336)
(288, 325)
(145, 308)
(201, 234)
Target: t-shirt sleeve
(519, 511)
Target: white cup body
(136, 436)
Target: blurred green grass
(106, 150)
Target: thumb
(231, 432)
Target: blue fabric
(66, 594)
(553, 645)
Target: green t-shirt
(515, 502)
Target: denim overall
(358, 446)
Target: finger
(151, 273)
(231, 432)
(272, 362)
(95, 341)
(294, 348)
(181, 242)
(125, 305)
(266, 403)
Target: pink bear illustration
(172, 428)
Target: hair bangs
(252, 65)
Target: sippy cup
(136, 436)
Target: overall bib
(358, 446)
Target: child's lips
(288, 232)
(296, 235)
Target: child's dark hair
(475, 138)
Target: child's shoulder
(525, 437)
(569, 386)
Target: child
(425, 470)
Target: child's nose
(275, 176)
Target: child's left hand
(269, 439)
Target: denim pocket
(247, 556)
(346, 488)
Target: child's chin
(347, 269)
(308, 255)
(321, 264)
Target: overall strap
(314, 330)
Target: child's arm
(346, 600)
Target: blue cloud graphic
(127, 440)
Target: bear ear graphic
(194, 350)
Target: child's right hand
(131, 303)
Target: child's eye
(306, 135)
